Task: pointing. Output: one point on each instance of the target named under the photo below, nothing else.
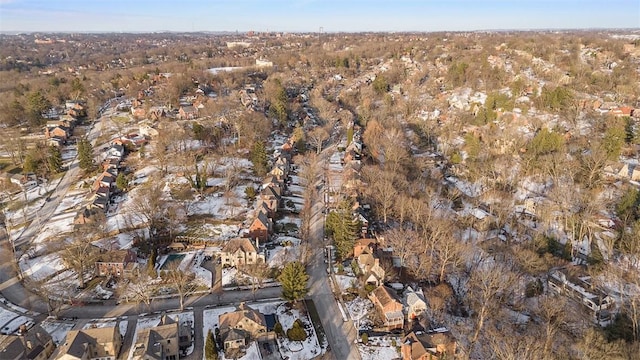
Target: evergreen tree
(297, 332)
(259, 158)
(31, 163)
(85, 155)
(293, 279)
(121, 182)
(54, 160)
(210, 349)
(277, 328)
(343, 229)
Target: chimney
(376, 262)
(257, 245)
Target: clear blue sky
(309, 15)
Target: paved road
(341, 335)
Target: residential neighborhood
(274, 195)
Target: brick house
(115, 263)
(388, 307)
(260, 227)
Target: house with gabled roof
(261, 227)
(106, 179)
(435, 345)
(372, 272)
(240, 251)
(388, 307)
(364, 245)
(32, 344)
(188, 112)
(414, 303)
(270, 196)
(90, 344)
(247, 319)
(116, 262)
(161, 341)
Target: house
(32, 344)
(576, 285)
(436, 345)
(188, 112)
(270, 196)
(414, 303)
(241, 251)
(88, 215)
(278, 171)
(239, 327)
(261, 227)
(103, 191)
(116, 150)
(364, 245)
(90, 344)
(58, 131)
(388, 307)
(101, 203)
(272, 180)
(372, 272)
(159, 342)
(106, 179)
(115, 263)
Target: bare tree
(490, 287)
(551, 310)
(317, 137)
(257, 273)
(149, 207)
(382, 189)
(79, 254)
(180, 280)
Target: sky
(311, 15)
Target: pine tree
(259, 158)
(210, 349)
(85, 155)
(121, 182)
(293, 279)
(297, 332)
(54, 160)
(343, 229)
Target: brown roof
(385, 295)
(243, 244)
(230, 320)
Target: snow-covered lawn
(6, 316)
(103, 323)
(379, 348)
(358, 309)
(217, 231)
(57, 329)
(40, 268)
(308, 349)
(291, 220)
(220, 207)
(58, 224)
(345, 282)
